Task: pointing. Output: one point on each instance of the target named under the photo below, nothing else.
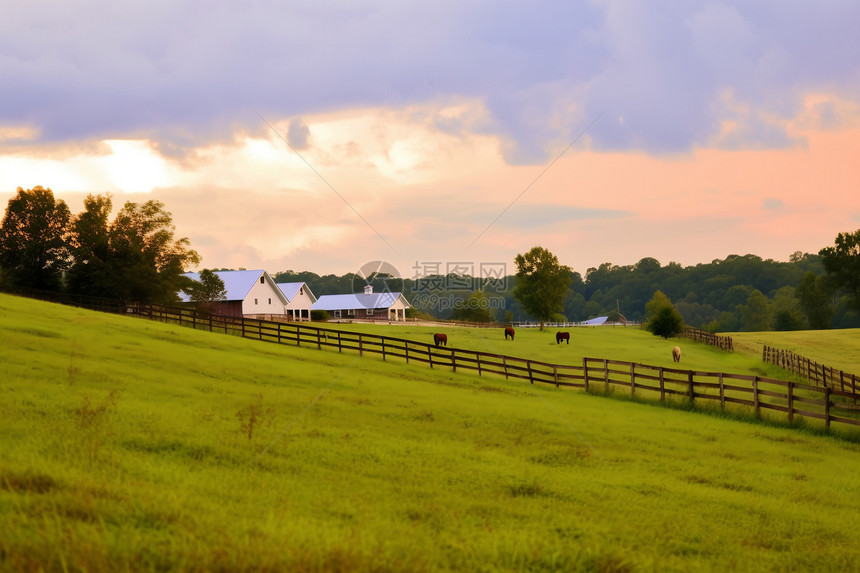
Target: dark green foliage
(542, 283)
(842, 263)
(813, 295)
(663, 318)
(209, 288)
(474, 309)
(34, 249)
(318, 315)
(90, 273)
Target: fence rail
(816, 373)
(721, 342)
(830, 405)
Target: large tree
(542, 283)
(146, 260)
(210, 288)
(842, 263)
(34, 250)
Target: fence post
(690, 383)
(298, 336)
(722, 393)
(430, 356)
(339, 342)
(791, 402)
(632, 378)
(662, 385)
(555, 375)
(605, 376)
(529, 367)
(505, 366)
(406, 350)
(755, 397)
(827, 407)
(585, 372)
(478, 359)
(243, 326)
(360, 345)
(383, 349)
(454, 360)
(319, 341)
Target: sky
(442, 135)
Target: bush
(663, 318)
(319, 315)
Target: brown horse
(559, 336)
(676, 354)
(440, 339)
(509, 331)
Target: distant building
(300, 300)
(248, 293)
(364, 306)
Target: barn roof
(596, 321)
(291, 289)
(357, 301)
(237, 283)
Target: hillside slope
(136, 445)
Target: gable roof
(237, 283)
(357, 301)
(291, 289)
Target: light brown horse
(676, 354)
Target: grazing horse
(676, 354)
(559, 336)
(509, 331)
(440, 339)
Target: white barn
(366, 306)
(300, 299)
(248, 293)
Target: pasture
(134, 445)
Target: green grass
(628, 344)
(125, 447)
(838, 349)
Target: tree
(813, 295)
(542, 283)
(209, 288)
(34, 250)
(662, 318)
(475, 308)
(146, 260)
(90, 244)
(756, 312)
(842, 263)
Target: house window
(270, 301)
(262, 280)
(337, 314)
(301, 290)
(369, 312)
(350, 312)
(255, 301)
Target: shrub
(319, 315)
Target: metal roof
(237, 283)
(596, 321)
(291, 289)
(357, 300)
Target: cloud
(298, 134)
(186, 76)
(772, 204)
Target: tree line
(740, 292)
(135, 257)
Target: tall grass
(126, 447)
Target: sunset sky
(321, 135)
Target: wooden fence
(793, 399)
(721, 342)
(818, 374)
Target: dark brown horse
(509, 331)
(559, 336)
(440, 339)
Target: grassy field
(132, 445)
(630, 344)
(838, 349)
